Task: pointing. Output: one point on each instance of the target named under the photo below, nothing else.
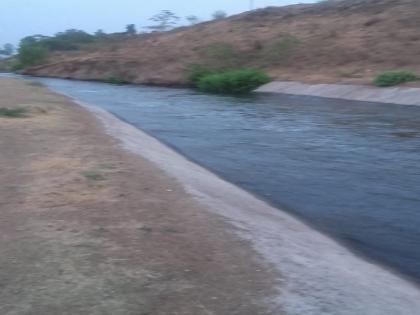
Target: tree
(30, 55)
(32, 40)
(192, 19)
(131, 29)
(218, 15)
(100, 33)
(8, 50)
(75, 36)
(67, 40)
(165, 21)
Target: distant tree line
(34, 49)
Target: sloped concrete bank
(319, 276)
(392, 95)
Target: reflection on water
(350, 169)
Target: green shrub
(114, 79)
(233, 82)
(13, 112)
(392, 78)
(94, 175)
(197, 72)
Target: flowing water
(349, 169)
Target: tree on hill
(67, 40)
(74, 35)
(165, 20)
(34, 39)
(35, 49)
(30, 55)
(131, 29)
(8, 50)
(192, 19)
(100, 33)
(219, 14)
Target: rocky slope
(345, 41)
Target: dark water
(351, 169)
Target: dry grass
(318, 42)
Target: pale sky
(20, 18)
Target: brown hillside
(333, 41)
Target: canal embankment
(90, 228)
(365, 93)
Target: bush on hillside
(392, 78)
(196, 72)
(12, 112)
(30, 55)
(233, 81)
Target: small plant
(99, 172)
(94, 175)
(233, 82)
(113, 79)
(392, 78)
(18, 112)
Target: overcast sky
(20, 18)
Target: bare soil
(87, 228)
(347, 41)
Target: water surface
(350, 169)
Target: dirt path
(87, 228)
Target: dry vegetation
(332, 41)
